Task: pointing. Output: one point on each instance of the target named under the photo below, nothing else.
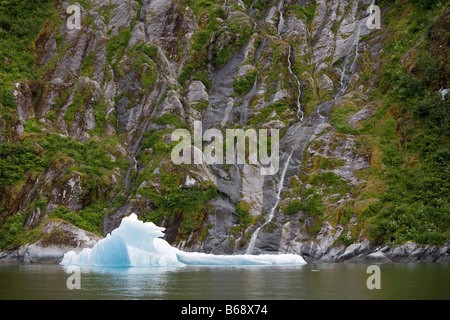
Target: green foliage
(415, 204)
(20, 23)
(203, 77)
(89, 219)
(91, 157)
(263, 116)
(428, 67)
(201, 40)
(150, 51)
(303, 12)
(169, 118)
(242, 29)
(201, 106)
(149, 77)
(188, 201)
(343, 239)
(329, 179)
(260, 117)
(31, 126)
(11, 230)
(88, 65)
(100, 109)
(186, 74)
(16, 160)
(244, 217)
(433, 113)
(293, 207)
(312, 203)
(7, 99)
(116, 45)
(260, 4)
(242, 85)
(339, 120)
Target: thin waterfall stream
(300, 116)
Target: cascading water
(300, 113)
(254, 237)
(348, 70)
(300, 116)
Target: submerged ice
(139, 244)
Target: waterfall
(251, 245)
(345, 76)
(300, 116)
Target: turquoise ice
(139, 244)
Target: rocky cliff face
(110, 94)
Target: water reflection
(323, 281)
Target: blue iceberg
(139, 244)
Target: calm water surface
(320, 281)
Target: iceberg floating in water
(139, 244)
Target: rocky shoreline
(57, 238)
(364, 252)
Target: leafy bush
(312, 203)
(293, 207)
(327, 179)
(339, 121)
(21, 21)
(7, 98)
(149, 77)
(117, 45)
(203, 77)
(150, 51)
(89, 219)
(201, 40)
(186, 74)
(92, 158)
(244, 217)
(16, 160)
(242, 85)
(11, 230)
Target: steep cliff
(87, 116)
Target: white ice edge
(138, 244)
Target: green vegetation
(186, 73)
(303, 12)
(20, 23)
(406, 142)
(244, 217)
(88, 65)
(149, 77)
(203, 77)
(11, 230)
(412, 130)
(244, 84)
(91, 157)
(189, 202)
(89, 219)
(201, 40)
(16, 160)
(263, 116)
(241, 30)
(116, 45)
(339, 121)
(293, 207)
(312, 203)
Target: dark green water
(321, 281)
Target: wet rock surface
(136, 66)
